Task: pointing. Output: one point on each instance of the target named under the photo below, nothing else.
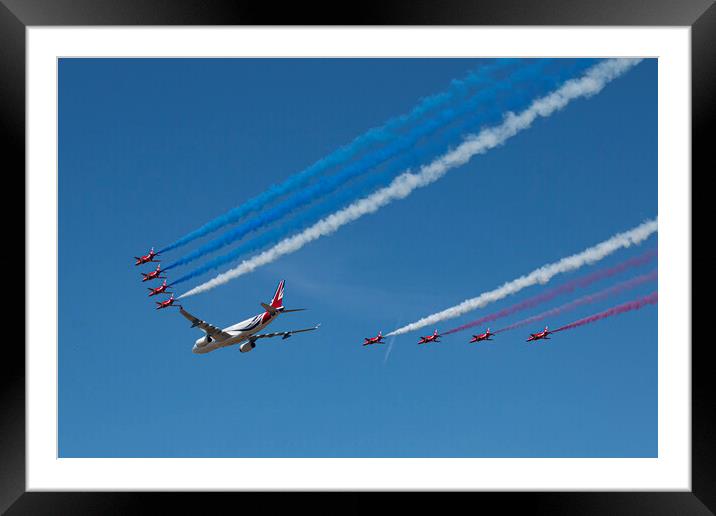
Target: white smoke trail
(592, 82)
(541, 275)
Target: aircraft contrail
(341, 155)
(590, 83)
(488, 102)
(651, 299)
(590, 298)
(565, 288)
(542, 275)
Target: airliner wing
(210, 330)
(284, 334)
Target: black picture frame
(16, 15)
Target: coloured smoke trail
(540, 275)
(587, 85)
(415, 156)
(483, 108)
(585, 300)
(376, 135)
(565, 288)
(651, 299)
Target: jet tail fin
(276, 305)
(277, 301)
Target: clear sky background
(151, 149)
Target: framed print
(412, 249)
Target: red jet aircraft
(378, 339)
(482, 336)
(155, 274)
(161, 289)
(430, 338)
(146, 258)
(165, 304)
(541, 335)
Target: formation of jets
(244, 333)
(435, 337)
(156, 274)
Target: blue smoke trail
(520, 99)
(457, 89)
(487, 98)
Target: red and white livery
(146, 258)
(540, 335)
(161, 289)
(165, 304)
(435, 337)
(244, 333)
(378, 339)
(482, 336)
(155, 274)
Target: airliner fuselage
(239, 332)
(245, 333)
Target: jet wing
(211, 330)
(284, 334)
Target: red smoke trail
(565, 288)
(591, 298)
(651, 299)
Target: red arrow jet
(541, 335)
(167, 303)
(161, 289)
(482, 336)
(430, 338)
(378, 339)
(155, 274)
(146, 258)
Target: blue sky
(151, 149)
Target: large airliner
(244, 333)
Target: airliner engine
(247, 346)
(200, 343)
